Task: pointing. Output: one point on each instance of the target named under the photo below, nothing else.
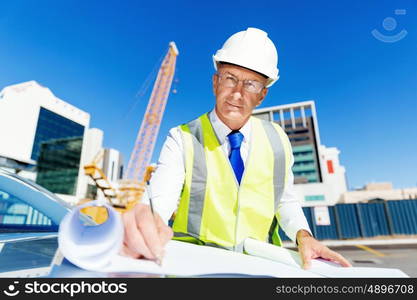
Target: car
(30, 216)
(29, 221)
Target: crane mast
(130, 190)
(141, 155)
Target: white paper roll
(90, 247)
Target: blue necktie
(235, 139)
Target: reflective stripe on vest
(213, 208)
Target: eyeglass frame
(244, 81)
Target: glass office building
(53, 126)
(43, 122)
(58, 165)
(300, 123)
(318, 176)
(57, 150)
(303, 140)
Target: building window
(314, 198)
(120, 172)
(58, 165)
(91, 192)
(112, 171)
(53, 126)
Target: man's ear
(262, 96)
(215, 82)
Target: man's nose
(237, 95)
(237, 91)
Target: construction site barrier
(364, 220)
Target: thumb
(307, 263)
(306, 260)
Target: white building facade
(378, 191)
(332, 188)
(36, 129)
(20, 107)
(113, 165)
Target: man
(231, 172)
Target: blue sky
(96, 55)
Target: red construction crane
(138, 169)
(138, 172)
(141, 155)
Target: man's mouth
(233, 105)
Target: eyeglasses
(230, 81)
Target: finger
(336, 257)
(305, 258)
(125, 251)
(134, 240)
(306, 262)
(165, 232)
(343, 261)
(146, 224)
(133, 237)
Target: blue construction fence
(362, 220)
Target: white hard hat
(251, 49)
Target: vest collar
(221, 130)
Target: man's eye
(250, 84)
(230, 78)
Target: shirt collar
(222, 130)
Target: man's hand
(145, 234)
(311, 248)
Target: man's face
(235, 104)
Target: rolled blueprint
(90, 246)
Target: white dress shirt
(168, 179)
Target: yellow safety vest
(214, 209)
